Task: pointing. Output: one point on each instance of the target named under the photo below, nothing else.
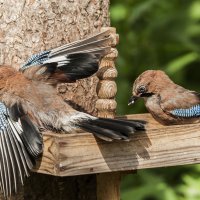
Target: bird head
(149, 83)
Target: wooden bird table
(82, 154)
(79, 166)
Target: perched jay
(29, 103)
(168, 102)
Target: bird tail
(112, 129)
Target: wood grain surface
(158, 146)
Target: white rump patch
(71, 120)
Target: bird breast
(153, 106)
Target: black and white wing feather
(15, 160)
(70, 62)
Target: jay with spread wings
(29, 103)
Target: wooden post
(106, 87)
(108, 186)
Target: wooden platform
(159, 146)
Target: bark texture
(30, 26)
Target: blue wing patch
(193, 111)
(3, 120)
(37, 59)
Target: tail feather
(104, 133)
(115, 126)
(111, 129)
(135, 124)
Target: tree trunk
(31, 26)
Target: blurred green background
(158, 34)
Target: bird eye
(142, 89)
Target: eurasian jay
(167, 102)
(29, 103)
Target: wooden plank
(159, 146)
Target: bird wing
(181, 103)
(70, 62)
(15, 159)
(193, 111)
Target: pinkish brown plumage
(168, 102)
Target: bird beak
(132, 100)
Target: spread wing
(15, 159)
(70, 62)
(181, 103)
